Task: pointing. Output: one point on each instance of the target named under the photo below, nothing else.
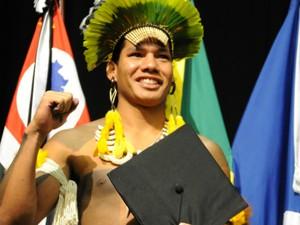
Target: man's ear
(111, 70)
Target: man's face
(144, 73)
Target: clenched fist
(52, 112)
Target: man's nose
(149, 63)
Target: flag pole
(62, 8)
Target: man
(143, 74)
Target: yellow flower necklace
(113, 146)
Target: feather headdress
(177, 21)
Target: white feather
(84, 23)
(39, 5)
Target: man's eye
(164, 56)
(135, 54)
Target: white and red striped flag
(50, 44)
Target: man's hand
(52, 112)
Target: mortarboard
(177, 180)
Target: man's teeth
(149, 81)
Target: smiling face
(143, 73)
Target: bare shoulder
(66, 142)
(216, 152)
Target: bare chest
(98, 201)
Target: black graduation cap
(177, 180)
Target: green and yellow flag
(197, 101)
(200, 106)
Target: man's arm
(19, 194)
(217, 154)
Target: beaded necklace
(130, 150)
(112, 144)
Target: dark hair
(117, 50)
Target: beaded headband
(139, 34)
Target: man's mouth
(150, 83)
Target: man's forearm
(18, 197)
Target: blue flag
(266, 146)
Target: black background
(238, 37)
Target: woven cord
(66, 212)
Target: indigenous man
(138, 40)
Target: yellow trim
(173, 103)
(41, 157)
(242, 218)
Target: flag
(64, 75)
(266, 145)
(49, 44)
(196, 99)
(200, 106)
